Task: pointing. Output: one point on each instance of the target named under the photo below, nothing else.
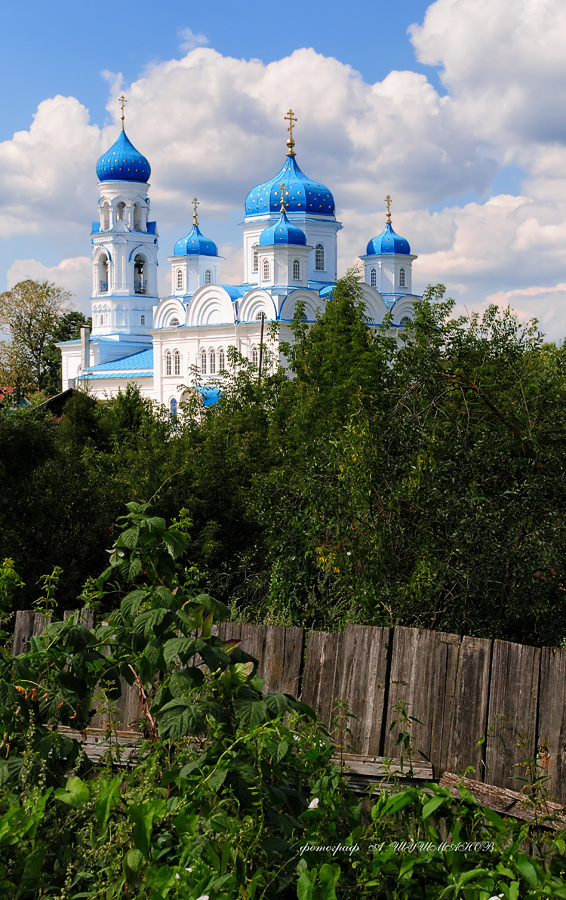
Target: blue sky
(450, 106)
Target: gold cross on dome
(388, 201)
(195, 217)
(283, 192)
(122, 100)
(290, 118)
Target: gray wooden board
(23, 628)
(469, 712)
(321, 656)
(418, 677)
(512, 711)
(552, 719)
(504, 801)
(360, 680)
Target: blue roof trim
(143, 359)
(123, 162)
(135, 374)
(210, 395)
(301, 194)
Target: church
(290, 257)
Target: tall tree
(29, 316)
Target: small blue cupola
(123, 162)
(195, 244)
(195, 261)
(388, 242)
(283, 232)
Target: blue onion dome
(388, 242)
(301, 193)
(195, 244)
(283, 232)
(123, 162)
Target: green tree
(67, 328)
(30, 314)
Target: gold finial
(388, 201)
(290, 143)
(122, 100)
(195, 217)
(283, 192)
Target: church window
(405, 320)
(140, 283)
(105, 216)
(167, 362)
(373, 278)
(173, 408)
(255, 359)
(103, 271)
(319, 258)
(137, 217)
(102, 320)
(265, 269)
(174, 322)
(120, 210)
(255, 262)
(402, 281)
(179, 279)
(142, 320)
(208, 277)
(221, 362)
(296, 269)
(212, 361)
(177, 362)
(203, 362)
(259, 317)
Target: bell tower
(124, 244)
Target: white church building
(290, 256)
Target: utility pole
(260, 348)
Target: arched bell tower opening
(140, 275)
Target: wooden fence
(476, 698)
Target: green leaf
(526, 869)
(182, 647)
(175, 541)
(74, 794)
(107, 799)
(431, 805)
(132, 602)
(128, 538)
(328, 877)
(143, 817)
(147, 621)
(250, 712)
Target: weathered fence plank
(552, 719)
(321, 656)
(360, 680)
(468, 721)
(506, 802)
(23, 628)
(512, 711)
(419, 662)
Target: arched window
(142, 320)
(265, 269)
(140, 285)
(105, 216)
(254, 263)
(174, 322)
(221, 362)
(179, 279)
(167, 362)
(373, 278)
(103, 273)
(120, 209)
(319, 258)
(173, 408)
(102, 320)
(402, 282)
(258, 317)
(212, 361)
(177, 362)
(255, 358)
(208, 277)
(405, 320)
(203, 362)
(137, 217)
(296, 269)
